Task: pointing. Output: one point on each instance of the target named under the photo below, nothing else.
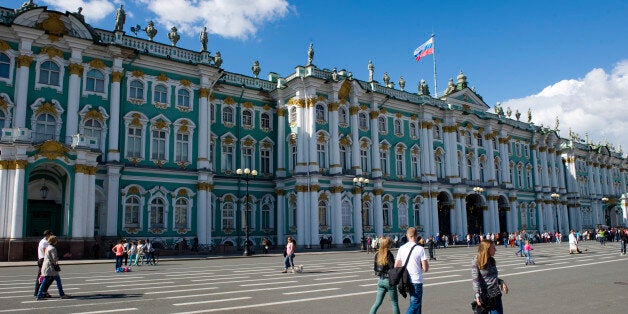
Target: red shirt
(118, 249)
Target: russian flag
(426, 49)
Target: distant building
(108, 135)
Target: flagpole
(434, 58)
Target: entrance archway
(45, 198)
(444, 213)
(503, 208)
(475, 214)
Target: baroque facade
(108, 135)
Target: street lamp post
(361, 183)
(246, 175)
(555, 197)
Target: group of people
(487, 286)
(134, 253)
(48, 267)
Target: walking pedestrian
(384, 261)
(50, 270)
(125, 256)
(288, 256)
(417, 265)
(520, 243)
(431, 245)
(624, 239)
(41, 250)
(486, 284)
(132, 252)
(573, 243)
(527, 251)
(150, 253)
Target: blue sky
(566, 58)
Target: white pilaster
(113, 199)
(74, 94)
(334, 164)
(357, 215)
(336, 210)
(79, 219)
(281, 139)
(378, 213)
(17, 207)
(21, 90)
(355, 140)
(203, 134)
(377, 167)
(113, 154)
(281, 216)
(201, 212)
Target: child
(527, 248)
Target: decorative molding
(52, 150)
(97, 64)
(203, 92)
(24, 61)
(116, 77)
(75, 69)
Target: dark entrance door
(444, 214)
(43, 215)
(475, 215)
(502, 221)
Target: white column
(336, 210)
(355, 140)
(17, 210)
(513, 222)
(79, 218)
(540, 214)
(201, 213)
(425, 148)
(302, 239)
(281, 217)
(74, 94)
(490, 159)
(281, 140)
(554, 166)
(314, 221)
(377, 167)
(535, 170)
(113, 154)
(463, 208)
(313, 165)
(505, 159)
(450, 152)
(3, 201)
(113, 199)
(357, 215)
(430, 151)
(203, 133)
(21, 90)
(378, 213)
(90, 204)
(434, 214)
(561, 173)
(334, 148)
(476, 159)
(544, 174)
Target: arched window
(386, 214)
(228, 216)
(136, 90)
(5, 65)
(49, 73)
(157, 208)
(132, 212)
(342, 116)
(469, 169)
(403, 214)
(160, 94)
(382, 124)
(321, 149)
(320, 113)
(227, 115)
(439, 166)
(436, 132)
(183, 98)
(398, 127)
(95, 81)
(498, 171)
(346, 214)
(265, 121)
(417, 214)
(416, 165)
(93, 128)
(292, 207)
(227, 161)
(266, 216)
(413, 130)
(363, 121)
(322, 213)
(467, 138)
(46, 127)
(181, 213)
(247, 118)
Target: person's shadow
(107, 296)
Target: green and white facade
(138, 139)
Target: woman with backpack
(384, 261)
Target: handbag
(399, 276)
(488, 302)
(56, 267)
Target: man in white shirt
(41, 251)
(417, 265)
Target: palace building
(106, 135)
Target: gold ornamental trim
(333, 106)
(378, 191)
(542, 149)
(315, 188)
(94, 114)
(185, 82)
(52, 52)
(301, 188)
(160, 124)
(357, 190)
(512, 199)
(47, 108)
(75, 69)
(551, 150)
(353, 110)
(162, 77)
(3, 104)
(336, 189)
(248, 104)
(534, 146)
(53, 26)
(374, 114)
(24, 61)
(229, 101)
(281, 112)
(460, 195)
(280, 192)
(116, 77)
(137, 73)
(13, 164)
(52, 150)
(4, 46)
(97, 64)
(85, 169)
(203, 92)
(247, 142)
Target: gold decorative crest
(47, 108)
(160, 124)
(4, 46)
(94, 114)
(185, 82)
(75, 69)
(137, 73)
(116, 77)
(24, 61)
(52, 52)
(53, 26)
(52, 150)
(162, 77)
(229, 101)
(247, 104)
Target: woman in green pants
(384, 260)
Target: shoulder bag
(397, 274)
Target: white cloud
(595, 104)
(93, 10)
(227, 18)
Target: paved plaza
(332, 282)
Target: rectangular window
(247, 157)
(227, 158)
(158, 145)
(399, 164)
(265, 161)
(322, 155)
(364, 160)
(181, 149)
(383, 159)
(415, 166)
(134, 143)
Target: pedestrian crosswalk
(248, 284)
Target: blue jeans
(528, 257)
(416, 299)
(289, 261)
(119, 261)
(520, 252)
(383, 286)
(47, 281)
(499, 307)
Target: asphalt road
(332, 282)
